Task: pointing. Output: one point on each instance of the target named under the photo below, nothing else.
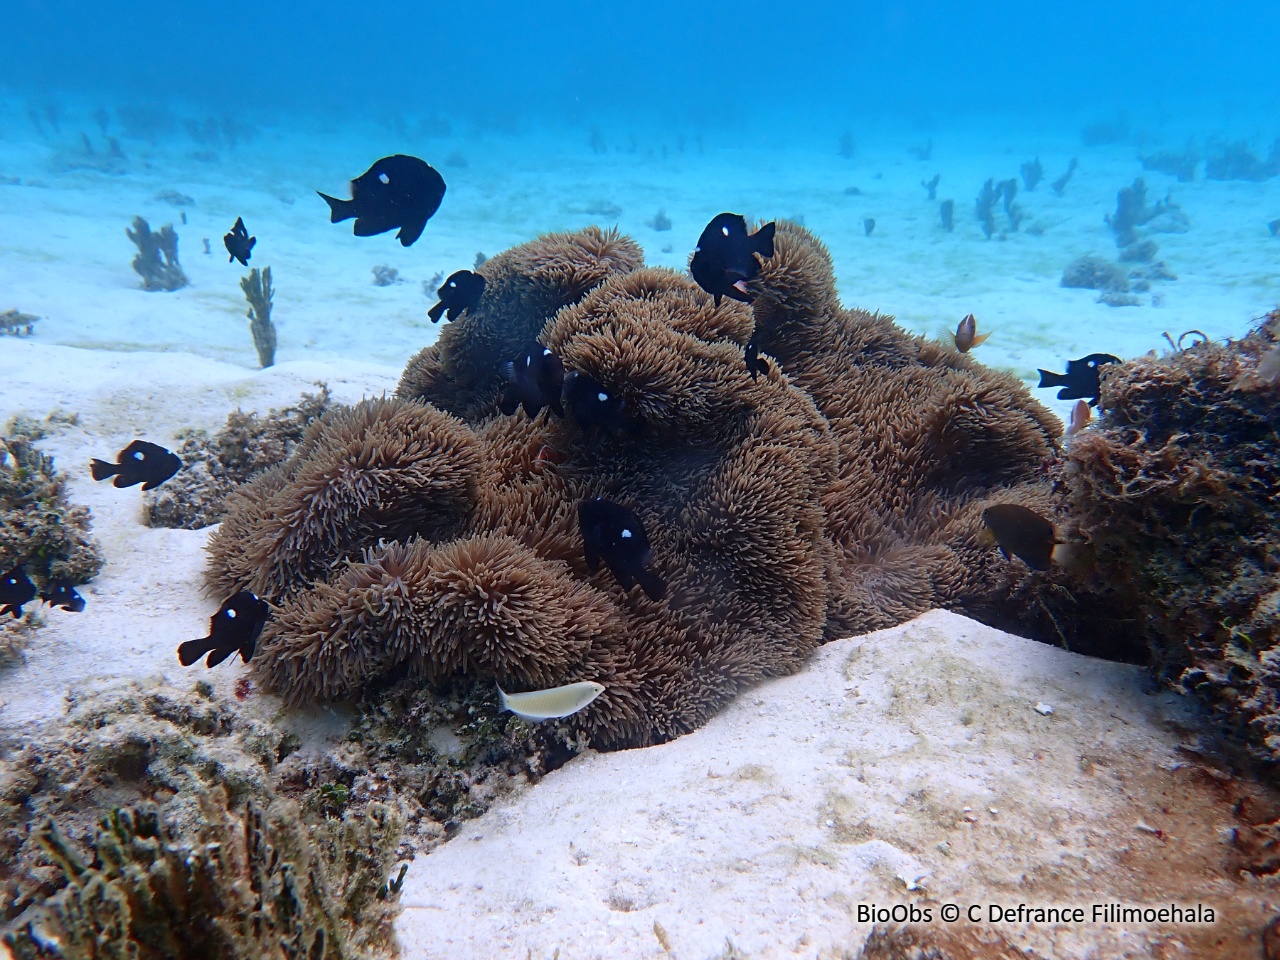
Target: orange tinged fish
(967, 336)
(1081, 417)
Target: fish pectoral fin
(436, 312)
(980, 339)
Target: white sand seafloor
(912, 758)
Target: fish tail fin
(652, 584)
(100, 469)
(339, 210)
(1074, 555)
(502, 697)
(1050, 379)
(436, 312)
(193, 650)
(763, 239)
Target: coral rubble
(215, 466)
(39, 527)
(426, 536)
(1180, 489)
(228, 884)
(157, 259)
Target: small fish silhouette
(233, 629)
(615, 534)
(238, 243)
(1081, 381)
(398, 191)
(461, 292)
(725, 259)
(16, 589)
(140, 462)
(534, 380)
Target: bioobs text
(898, 913)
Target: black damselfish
(234, 628)
(591, 404)
(1081, 381)
(461, 292)
(756, 364)
(398, 191)
(16, 589)
(612, 533)
(140, 462)
(61, 592)
(726, 257)
(238, 243)
(534, 380)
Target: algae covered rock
(1179, 486)
(842, 491)
(39, 526)
(251, 883)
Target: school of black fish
(402, 193)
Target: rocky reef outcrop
(1179, 486)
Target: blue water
(541, 115)
(721, 66)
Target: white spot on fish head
(725, 231)
(138, 455)
(384, 178)
(528, 361)
(602, 397)
(546, 352)
(231, 614)
(626, 534)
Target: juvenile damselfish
(591, 404)
(398, 191)
(16, 589)
(461, 292)
(233, 629)
(725, 259)
(966, 336)
(1033, 539)
(61, 592)
(140, 462)
(613, 533)
(534, 380)
(1081, 381)
(756, 364)
(238, 243)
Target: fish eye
(384, 178)
(602, 397)
(625, 532)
